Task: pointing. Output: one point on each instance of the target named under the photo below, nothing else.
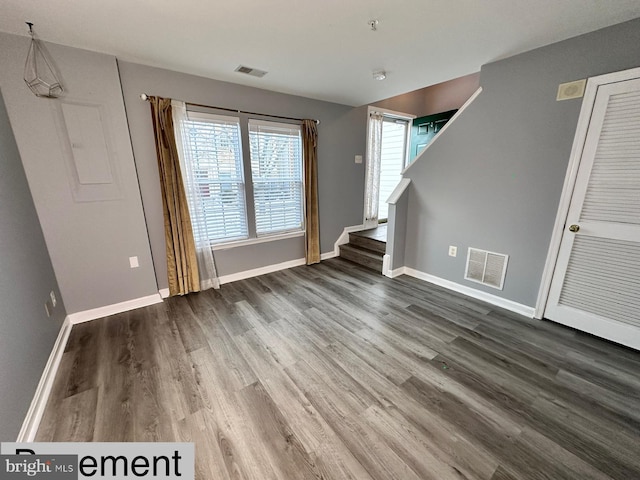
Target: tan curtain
(182, 264)
(310, 148)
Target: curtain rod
(144, 97)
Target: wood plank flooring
(335, 372)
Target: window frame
(249, 200)
(406, 124)
(283, 125)
(212, 118)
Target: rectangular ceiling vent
(254, 72)
(487, 268)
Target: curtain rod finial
(144, 97)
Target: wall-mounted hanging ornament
(38, 72)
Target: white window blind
(276, 169)
(214, 154)
(393, 156)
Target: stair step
(368, 243)
(362, 256)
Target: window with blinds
(392, 161)
(214, 154)
(215, 169)
(276, 171)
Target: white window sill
(254, 241)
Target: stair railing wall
(397, 228)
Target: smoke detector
(379, 75)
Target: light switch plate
(133, 262)
(358, 158)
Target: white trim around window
(269, 173)
(253, 241)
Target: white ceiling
(321, 49)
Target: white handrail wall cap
(398, 191)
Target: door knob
(574, 228)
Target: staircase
(366, 248)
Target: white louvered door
(596, 282)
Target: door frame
(388, 113)
(569, 186)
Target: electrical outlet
(133, 262)
(54, 300)
(48, 307)
(453, 251)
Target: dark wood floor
(333, 372)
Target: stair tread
(371, 235)
(363, 250)
(368, 243)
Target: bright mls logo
(121, 461)
(53, 467)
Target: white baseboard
(386, 265)
(519, 308)
(344, 237)
(234, 277)
(328, 255)
(107, 310)
(36, 409)
(396, 273)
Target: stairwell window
(243, 193)
(393, 160)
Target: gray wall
(342, 133)
(494, 180)
(397, 230)
(89, 241)
(240, 259)
(27, 335)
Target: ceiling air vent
(488, 268)
(254, 72)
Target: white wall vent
(254, 72)
(488, 268)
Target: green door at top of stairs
(424, 129)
